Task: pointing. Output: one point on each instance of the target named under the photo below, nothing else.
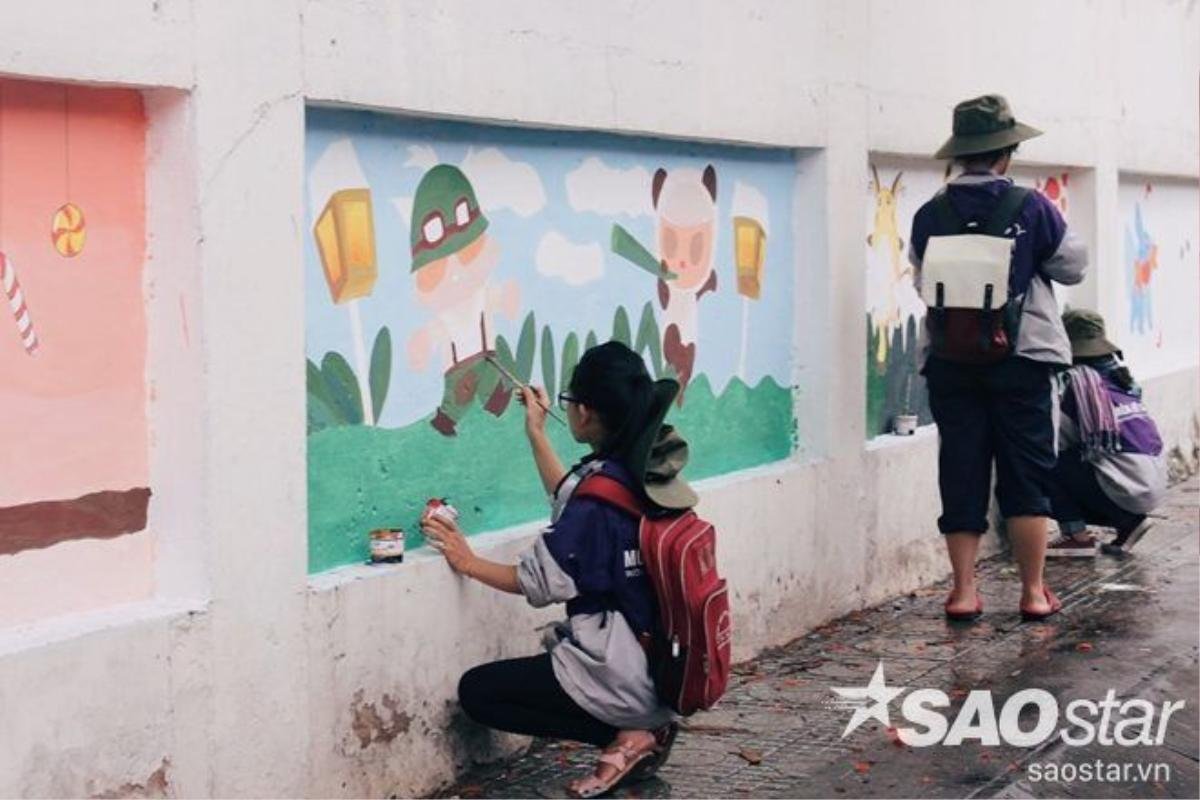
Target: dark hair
(612, 380)
(989, 158)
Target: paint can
(904, 424)
(387, 545)
(438, 507)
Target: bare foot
(962, 600)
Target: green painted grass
(361, 478)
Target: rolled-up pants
(1000, 413)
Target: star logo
(869, 702)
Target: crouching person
(1111, 469)
(594, 684)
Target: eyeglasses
(565, 399)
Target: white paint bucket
(904, 424)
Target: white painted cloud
(574, 264)
(595, 186)
(502, 183)
(335, 169)
(403, 206)
(750, 202)
(421, 156)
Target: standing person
(1111, 469)
(989, 370)
(594, 685)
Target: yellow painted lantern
(749, 247)
(345, 234)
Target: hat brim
(674, 494)
(1090, 348)
(957, 146)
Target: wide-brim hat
(983, 124)
(659, 454)
(1086, 331)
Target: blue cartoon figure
(1141, 259)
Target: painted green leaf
(343, 387)
(548, 361)
(570, 358)
(525, 347)
(621, 331)
(381, 369)
(648, 339)
(322, 412)
(590, 342)
(504, 355)
(321, 415)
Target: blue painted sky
(518, 221)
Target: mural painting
(1159, 226)
(896, 188)
(464, 254)
(895, 312)
(72, 322)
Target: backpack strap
(949, 220)
(611, 491)
(1006, 211)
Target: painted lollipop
(16, 303)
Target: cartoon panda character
(686, 203)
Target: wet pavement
(1130, 625)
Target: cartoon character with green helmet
(452, 260)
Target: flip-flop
(964, 616)
(1037, 616)
(623, 760)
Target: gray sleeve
(541, 579)
(1069, 262)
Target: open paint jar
(387, 545)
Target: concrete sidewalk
(1129, 624)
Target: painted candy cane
(16, 302)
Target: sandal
(964, 616)
(624, 760)
(664, 740)
(1030, 615)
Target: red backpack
(690, 654)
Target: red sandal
(964, 616)
(1037, 616)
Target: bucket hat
(659, 454)
(1085, 329)
(982, 124)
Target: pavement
(1129, 624)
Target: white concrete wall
(245, 677)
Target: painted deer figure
(889, 267)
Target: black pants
(522, 695)
(1079, 499)
(1001, 413)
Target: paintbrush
(516, 382)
